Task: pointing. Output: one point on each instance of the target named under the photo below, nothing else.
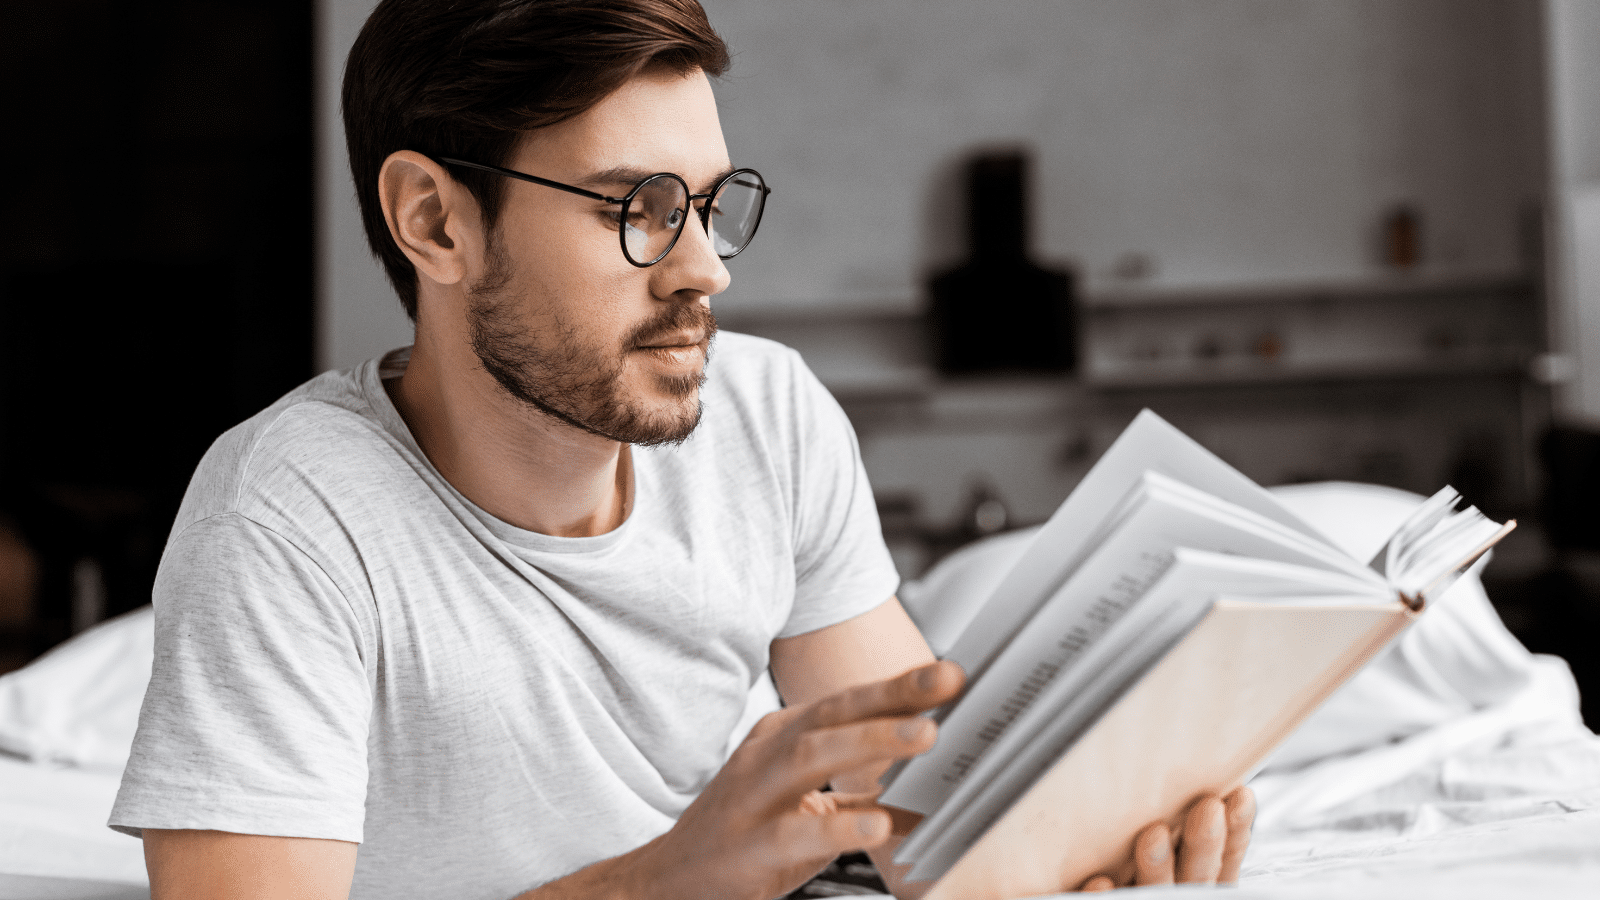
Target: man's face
(558, 316)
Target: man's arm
(202, 865)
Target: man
(490, 608)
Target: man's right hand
(762, 826)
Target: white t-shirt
(348, 648)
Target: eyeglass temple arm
(533, 178)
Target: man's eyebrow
(616, 176)
(627, 176)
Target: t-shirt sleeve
(842, 567)
(256, 717)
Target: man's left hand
(1210, 849)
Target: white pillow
(1458, 658)
(79, 704)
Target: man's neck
(522, 467)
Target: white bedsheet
(53, 823)
(1501, 803)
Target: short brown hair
(466, 78)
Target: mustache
(678, 317)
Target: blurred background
(1331, 239)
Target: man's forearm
(658, 871)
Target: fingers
(1216, 834)
(805, 837)
(915, 691)
(1152, 855)
(860, 729)
(1152, 860)
(818, 803)
(817, 756)
(1205, 836)
(764, 807)
(1239, 810)
(855, 799)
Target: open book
(1169, 626)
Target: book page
(1458, 543)
(1435, 544)
(1431, 512)
(1148, 444)
(1072, 704)
(1298, 546)
(1159, 516)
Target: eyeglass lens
(656, 214)
(653, 218)
(735, 213)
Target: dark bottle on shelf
(1001, 311)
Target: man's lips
(683, 350)
(681, 340)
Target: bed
(1454, 766)
(66, 722)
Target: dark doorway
(155, 271)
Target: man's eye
(613, 217)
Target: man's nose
(692, 265)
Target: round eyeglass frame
(626, 199)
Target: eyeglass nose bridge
(703, 214)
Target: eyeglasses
(653, 213)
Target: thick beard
(577, 385)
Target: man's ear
(431, 216)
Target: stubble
(560, 376)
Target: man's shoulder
(754, 369)
(761, 394)
(324, 434)
(746, 352)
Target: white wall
(1573, 30)
(1228, 140)
(1574, 46)
(358, 315)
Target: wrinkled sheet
(1504, 802)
